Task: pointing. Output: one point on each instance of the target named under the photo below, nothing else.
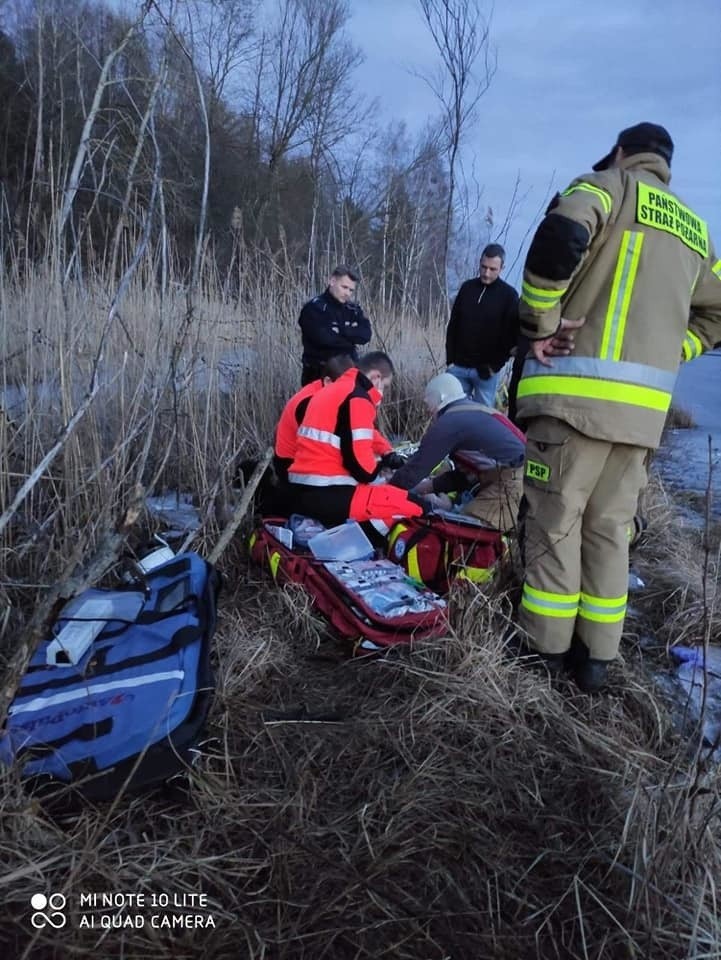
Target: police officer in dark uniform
(332, 325)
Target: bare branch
(242, 508)
(306, 63)
(461, 35)
(82, 151)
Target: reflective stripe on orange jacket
(286, 433)
(337, 439)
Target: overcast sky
(569, 77)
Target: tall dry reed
(181, 397)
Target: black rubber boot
(552, 663)
(577, 655)
(591, 675)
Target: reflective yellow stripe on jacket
(603, 195)
(616, 381)
(539, 298)
(623, 280)
(546, 604)
(692, 346)
(607, 377)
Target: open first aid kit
(371, 601)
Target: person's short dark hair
(642, 138)
(376, 360)
(333, 367)
(494, 250)
(343, 270)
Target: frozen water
(684, 459)
(175, 510)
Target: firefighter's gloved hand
(391, 461)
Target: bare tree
(303, 66)
(81, 155)
(186, 46)
(145, 120)
(328, 126)
(300, 114)
(221, 34)
(461, 34)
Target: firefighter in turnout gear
(627, 263)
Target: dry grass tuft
(680, 564)
(679, 419)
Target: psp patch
(538, 471)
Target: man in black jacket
(483, 328)
(332, 325)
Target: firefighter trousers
(582, 495)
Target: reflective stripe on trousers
(576, 538)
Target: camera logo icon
(48, 911)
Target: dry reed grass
(679, 419)
(182, 396)
(458, 808)
(680, 563)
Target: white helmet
(442, 390)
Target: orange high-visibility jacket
(337, 440)
(286, 433)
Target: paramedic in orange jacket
(286, 432)
(331, 477)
